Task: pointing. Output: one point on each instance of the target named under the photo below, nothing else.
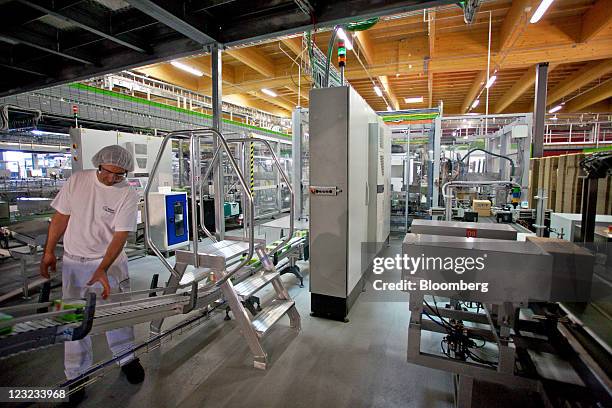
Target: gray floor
(328, 364)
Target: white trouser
(78, 355)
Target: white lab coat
(78, 355)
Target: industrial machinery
(510, 319)
(343, 132)
(87, 142)
(168, 219)
(227, 271)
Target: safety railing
(197, 187)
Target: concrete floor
(328, 364)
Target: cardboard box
(482, 207)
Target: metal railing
(197, 186)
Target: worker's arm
(57, 227)
(112, 252)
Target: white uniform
(96, 212)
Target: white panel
(360, 115)
(86, 143)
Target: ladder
(218, 261)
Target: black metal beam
(125, 60)
(43, 44)
(84, 21)
(242, 30)
(163, 14)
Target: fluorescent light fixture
(544, 5)
(348, 44)
(187, 68)
(491, 81)
(418, 99)
(556, 109)
(377, 90)
(269, 92)
(475, 103)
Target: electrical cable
(492, 154)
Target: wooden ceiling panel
(400, 61)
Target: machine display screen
(134, 183)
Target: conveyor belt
(41, 330)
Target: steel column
(540, 108)
(217, 122)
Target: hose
(492, 154)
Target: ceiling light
(556, 109)
(418, 99)
(540, 11)
(409, 66)
(377, 90)
(187, 68)
(397, 75)
(491, 81)
(475, 103)
(269, 92)
(348, 44)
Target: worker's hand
(47, 261)
(100, 276)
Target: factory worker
(95, 211)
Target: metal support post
(540, 108)
(296, 154)
(217, 121)
(589, 209)
(436, 160)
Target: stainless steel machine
(512, 326)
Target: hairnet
(114, 155)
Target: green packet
(77, 305)
(6, 318)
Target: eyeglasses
(116, 176)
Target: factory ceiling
(48, 42)
(436, 56)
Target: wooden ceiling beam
(598, 94)
(514, 23)
(362, 38)
(431, 32)
(522, 85)
(477, 85)
(255, 59)
(252, 102)
(303, 91)
(170, 74)
(586, 75)
(384, 80)
(278, 101)
(596, 19)
(294, 44)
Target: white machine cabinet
(348, 168)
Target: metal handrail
(223, 144)
(285, 178)
(176, 135)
